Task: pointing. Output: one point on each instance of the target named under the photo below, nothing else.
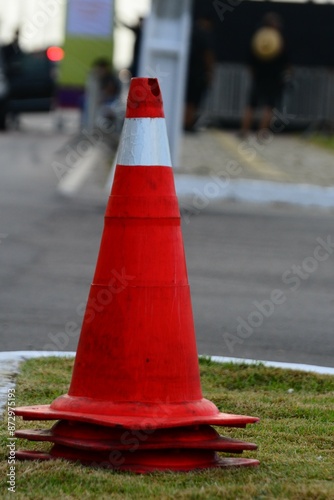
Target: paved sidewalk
(216, 165)
(279, 158)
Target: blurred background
(306, 26)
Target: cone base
(141, 462)
(175, 449)
(142, 417)
(93, 437)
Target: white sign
(90, 18)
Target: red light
(55, 54)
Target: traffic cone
(135, 400)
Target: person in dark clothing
(269, 66)
(3, 93)
(137, 30)
(12, 54)
(12, 60)
(200, 69)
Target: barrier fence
(308, 98)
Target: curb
(10, 364)
(200, 191)
(321, 370)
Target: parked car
(27, 84)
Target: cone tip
(144, 99)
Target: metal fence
(309, 99)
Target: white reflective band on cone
(144, 142)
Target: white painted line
(203, 189)
(72, 181)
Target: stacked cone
(135, 401)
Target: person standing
(3, 92)
(12, 61)
(269, 67)
(200, 69)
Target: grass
(295, 439)
(323, 140)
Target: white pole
(164, 55)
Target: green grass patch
(323, 140)
(295, 439)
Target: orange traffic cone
(135, 400)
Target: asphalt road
(263, 284)
(261, 277)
